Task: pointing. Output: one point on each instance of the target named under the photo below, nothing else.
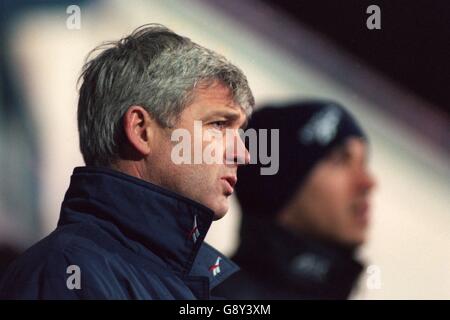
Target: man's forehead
(356, 142)
(217, 99)
(355, 145)
(230, 108)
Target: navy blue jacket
(119, 237)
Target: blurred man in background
(133, 221)
(301, 227)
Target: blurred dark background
(412, 48)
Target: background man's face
(208, 184)
(334, 200)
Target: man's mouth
(230, 182)
(361, 211)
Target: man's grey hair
(154, 68)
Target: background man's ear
(138, 125)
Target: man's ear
(138, 126)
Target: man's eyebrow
(344, 147)
(230, 115)
(339, 149)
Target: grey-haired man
(133, 221)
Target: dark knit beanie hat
(308, 131)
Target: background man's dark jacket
(129, 238)
(278, 265)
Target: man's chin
(356, 241)
(221, 211)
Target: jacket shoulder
(64, 265)
(78, 262)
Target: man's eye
(339, 157)
(219, 124)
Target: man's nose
(236, 152)
(366, 180)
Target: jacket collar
(147, 219)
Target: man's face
(210, 184)
(334, 200)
